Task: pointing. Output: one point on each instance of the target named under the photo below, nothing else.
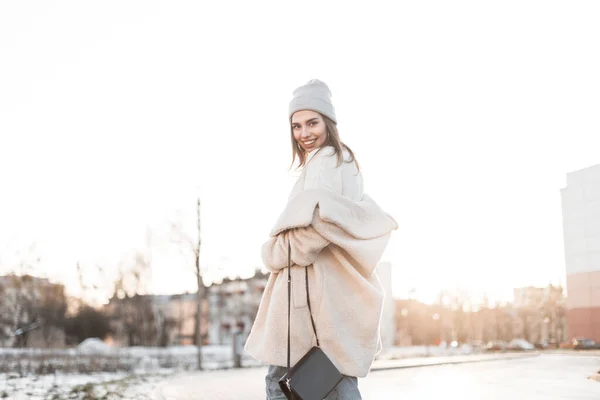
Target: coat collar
(326, 150)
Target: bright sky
(465, 117)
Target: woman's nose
(305, 132)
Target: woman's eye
(313, 123)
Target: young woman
(340, 233)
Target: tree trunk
(198, 327)
(199, 295)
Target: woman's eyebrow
(310, 120)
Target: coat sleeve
(306, 245)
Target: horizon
(477, 302)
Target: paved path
(546, 377)
(533, 378)
(415, 362)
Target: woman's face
(309, 129)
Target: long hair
(332, 139)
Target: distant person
(337, 236)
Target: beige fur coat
(341, 238)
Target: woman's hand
(306, 244)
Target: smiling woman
(314, 124)
(330, 237)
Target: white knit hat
(314, 96)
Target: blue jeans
(347, 389)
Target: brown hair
(332, 139)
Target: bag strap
(309, 309)
(289, 304)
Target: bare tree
(131, 308)
(31, 303)
(52, 310)
(201, 292)
(23, 302)
(191, 246)
(136, 310)
(19, 308)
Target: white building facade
(581, 225)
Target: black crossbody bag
(314, 376)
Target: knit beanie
(314, 96)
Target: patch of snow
(93, 346)
(75, 386)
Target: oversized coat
(341, 237)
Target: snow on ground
(94, 370)
(94, 357)
(107, 386)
